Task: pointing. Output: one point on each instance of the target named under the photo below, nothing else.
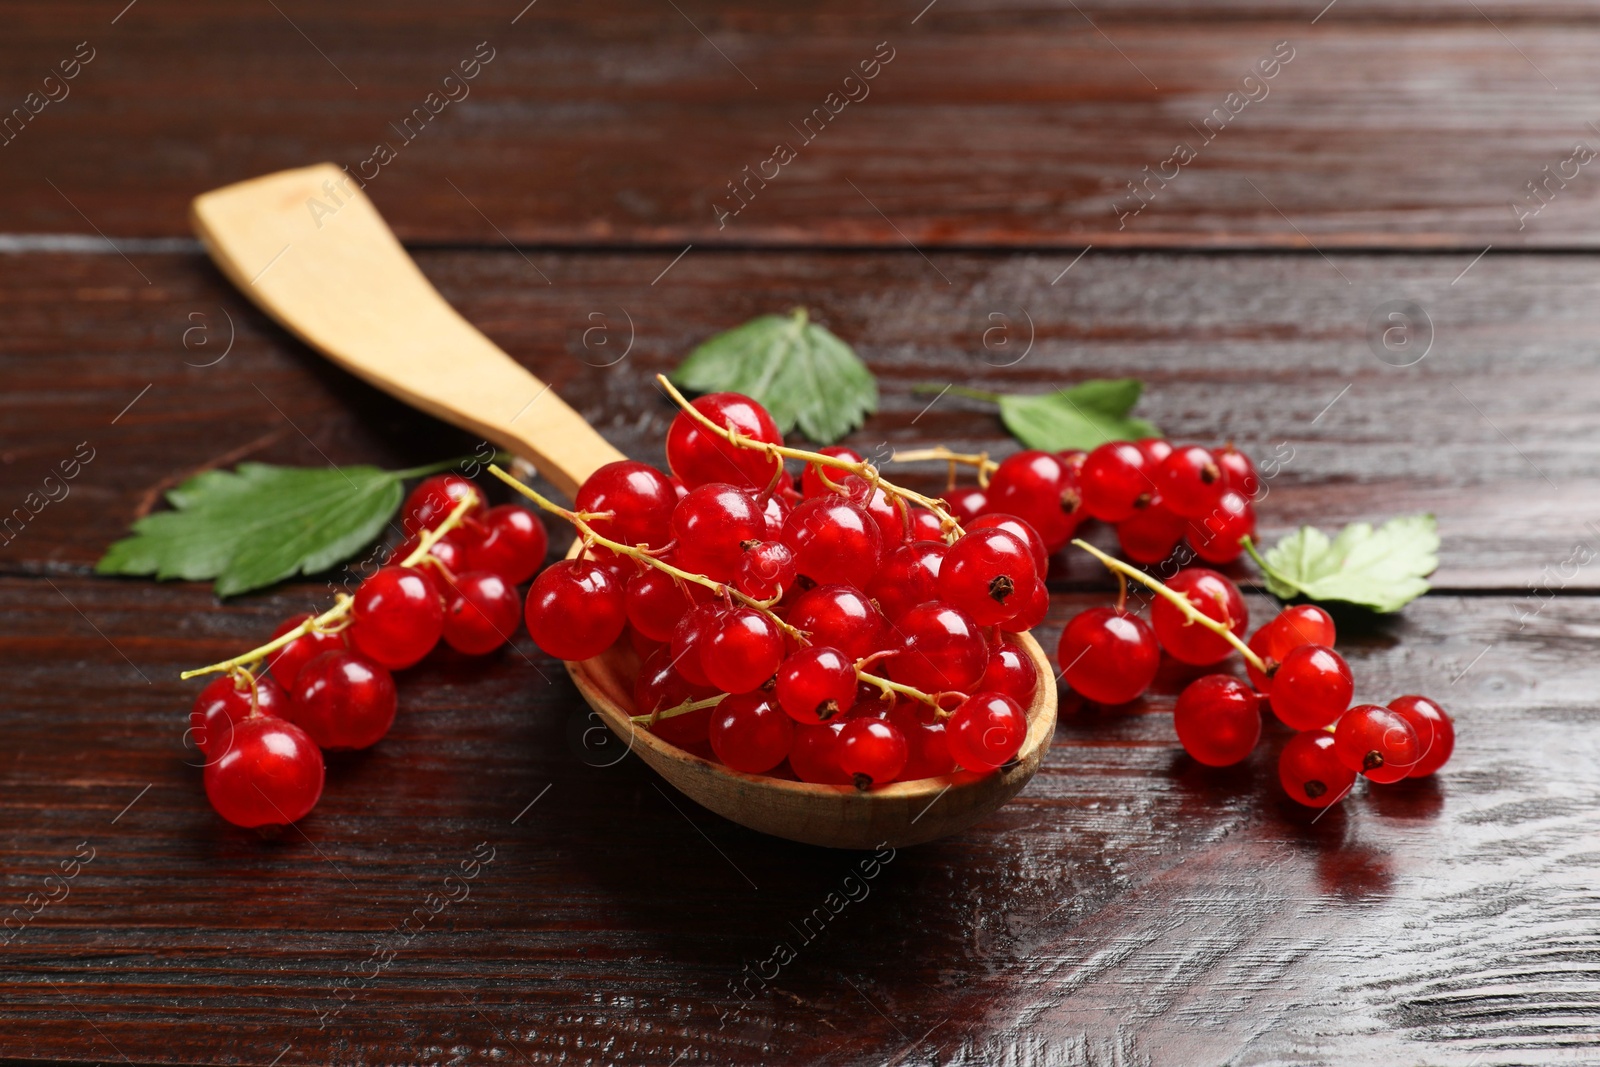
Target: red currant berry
(287, 661)
(965, 503)
(840, 617)
(742, 651)
(575, 609)
(1116, 481)
(1155, 449)
(343, 700)
(884, 511)
(1435, 731)
(481, 613)
(513, 546)
(1215, 538)
(397, 617)
(765, 570)
(1010, 671)
(658, 687)
(449, 551)
(1216, 598)
(989, 574)
(1190, 482)
(872, 752)
(270, 776)
(1021, 528)
(814, 754)
(941, 650)
(815, 684)
(749, 733)
(1218, 719)
(1039, 487)
(927, 743)
(713, 524)
(1032, 612)
(1108, 655)
(228, 701)
(834, 540)
(1151, 535)
(1311, 688)
(986, 731)
(689, 639)
(1258, 645)
(909, 576)
(811, 483)
(1311, 773)
(432, 501)
(699, 457)
(1376, 742)
(1238, 473)
(925, 526)
(639, 497)
(655, 601)
(1302, 624)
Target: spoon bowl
(343, 284)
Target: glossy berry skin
(909, 576)
(965, 503)
(1311, 688)
(742, 651)
(287, 661)
(1018, 526)
(1215, 538)
(1040, 488)
(814, 754)
(1108, 656)
(816, 684)
(640, 497)
(1258, 645)
(842, 617)
(1155, 449)
(1238, 473)
(1032, 612)
(834, 540)
(1377, 742)
(1115, 481)
(1189, 481)
(1151, 535)
(811, 483)
(397, 617)
(432, 501)
(884, 511)
(1010, 671)
(343, 700)
(927, 743)
(655, 602)
(481, 612)
(749, 733)
(689, 639)
(872, 752)
(271, 775)
(659, 686)
(699, 457)
(1436, 732)
(986, 731)
(765, 570)
(450, 551)
(712, 525)
(1217, 598)
(228, 701)
(941, 650)
(925, 526)
(1218, 719)
(989, 574)
(1302, 624)
(1310, 772)
(513, 546)
(575, 609)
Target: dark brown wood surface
(1129, 907)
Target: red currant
(986, 731)
(655, 601)
(1151, 535)
(814, 754)
(287, 661)
(713, 524)
(481, 613)
(841, 617)
(1116, 481)
(658, 687)
(1032, 612)
(1258, 645)
(575, 609)
(343, 700)
(1376, 742)
(815, 684)
(1010, 671)
(397, 617)
(909, 576)
(1218, 719)
(834, 540)
(765, 570)
(513, 546)
(742, 651)
(871, 751)
(989, 574)
(1108, 655)
(639, 497)
(450, 552)
(432, 501)
(1021, 528)
(1311, 687)
(1190, 482)
(884, 511)
(1155, 449)
(750, 733)
(1039, 487)
(1238, 473)
(1215, 538)
(927, 743)
(699, 457)
(689, 639)
(270, 776)
(965, 503)
(811, 483)
(941, 650)
(1302, 624)
(925, 526)
(228, 701)
(1311, 773)
(1435, 731)
(1216, 598)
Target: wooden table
(1128, 908)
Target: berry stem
(1266, 568)
(947, 522)
(672, 713)
(643, 555)
(888, 687)
(1178, 600)
(341, 607)
(980, 460)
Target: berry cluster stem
(1178, 600)
(643, 555)
(341, 607)
(980, 460)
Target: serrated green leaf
(800, 371)
(1085, 416)
(259, 524)
(1383, 569)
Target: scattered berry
(1108, 655)
(1377, 742)
(1311, 773)
(1218, 719)
(1435, 731)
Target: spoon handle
(309, 249)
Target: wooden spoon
(309, 248)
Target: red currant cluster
(1155, 494)
(1110, 656)
(834, 628)
(327, 682)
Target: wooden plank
(1492, 430)
(991, 125)
(1127, 905)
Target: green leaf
(800, 371)
(259, 524)
(1084, 416)
(1383, 569)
